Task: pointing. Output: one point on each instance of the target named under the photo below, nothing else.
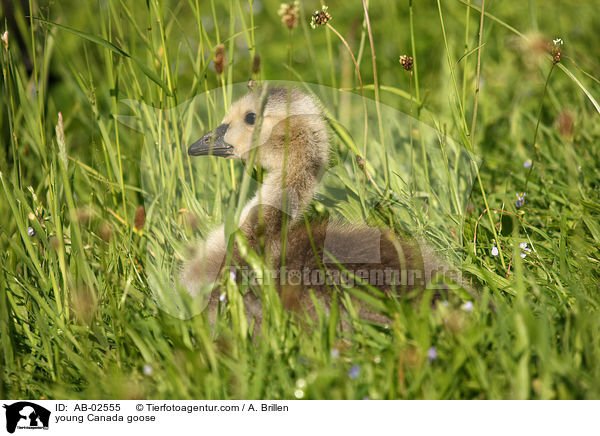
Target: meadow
(484, 143)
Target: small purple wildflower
(335, 353)
(432, 354)
(526, 250)
(354, 372)
(31, 231)
(468, 306)
(520, 199)
(494, 250)
(223, 297)
(527, 163)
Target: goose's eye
(250, 118)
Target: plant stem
(537, 125)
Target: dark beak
(213, 143)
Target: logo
(26, 415)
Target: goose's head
(279, 125)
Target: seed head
(84, 304)
(360, 162)
(565, 123)
(140, 217)
(53, 241)
(105, 231)
(60, 139)
(256, 64)
(289, 13)
(320, 17)
(406, 62)
(219, 59)
(556, 50)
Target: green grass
(80, 314)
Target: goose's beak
(213, 143)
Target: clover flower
(289, 13)
(320, 17)
(520, 199)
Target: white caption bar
(148, 417)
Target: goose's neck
(290, 192)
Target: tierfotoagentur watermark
(346, 278)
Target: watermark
(346, 278)
(25, 415)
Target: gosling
(285, 132)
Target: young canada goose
(287, 132)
